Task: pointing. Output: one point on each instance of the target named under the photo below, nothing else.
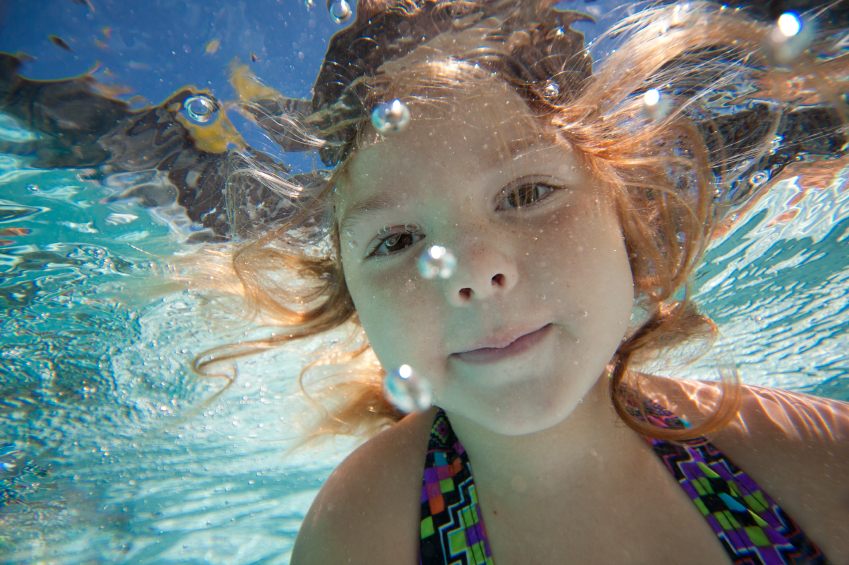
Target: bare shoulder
(795, 446)
(765, 413)
(368, 509)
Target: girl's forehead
(485, 135)
(479, 126)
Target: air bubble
(200, 108)
(759, 178)
(352, 243)
(775, 144)
(655, 104)
(339, 10)
(789, 38)
(437, 261)
(652, 97)
(390, 117)
(789, 24)
(551, 90)
(407, 390)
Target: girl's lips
(493, 354)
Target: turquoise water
(786, 282)
(101, 460)
(108, 453)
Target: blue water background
(107, 454)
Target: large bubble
(790, 37)
(390, 117)
(656, 104)
(437, 261)
(407, 390)
(339, 10)
(200, 109)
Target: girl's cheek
(390, 295)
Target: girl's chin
(518, 417)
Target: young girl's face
(542, 293)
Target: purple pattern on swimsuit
(753, 529)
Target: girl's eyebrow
(369, 207)
(492, 158)
(507, 151)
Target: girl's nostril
(465, 293)
(498, 280)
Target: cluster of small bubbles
(789, 38)
(655, 105)
(390, 117)
(200, 108)
(33, 188)
(339, 10)
(407, 390)
(759, 178)
(352, 243)
(775, 144)
(682, 237)
(309, 4)
(437, 261)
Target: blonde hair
(661, 174)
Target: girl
(577, 206)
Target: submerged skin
(558, 477)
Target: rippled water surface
(102, 460)
(108, 453)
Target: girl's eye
(526, 195)
(394, 243)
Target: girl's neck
(589, 446)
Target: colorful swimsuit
(753, 529)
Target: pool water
(102, 459)
(113, 451)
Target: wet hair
(665, 174)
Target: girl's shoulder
(368, 510)
(794, 446)
(766, 414)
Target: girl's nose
(483, 272)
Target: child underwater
(577, 209)
(577, 201)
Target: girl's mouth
(494, 354)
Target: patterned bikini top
(753, 529)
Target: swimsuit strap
(753, 529)
(452, 525)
